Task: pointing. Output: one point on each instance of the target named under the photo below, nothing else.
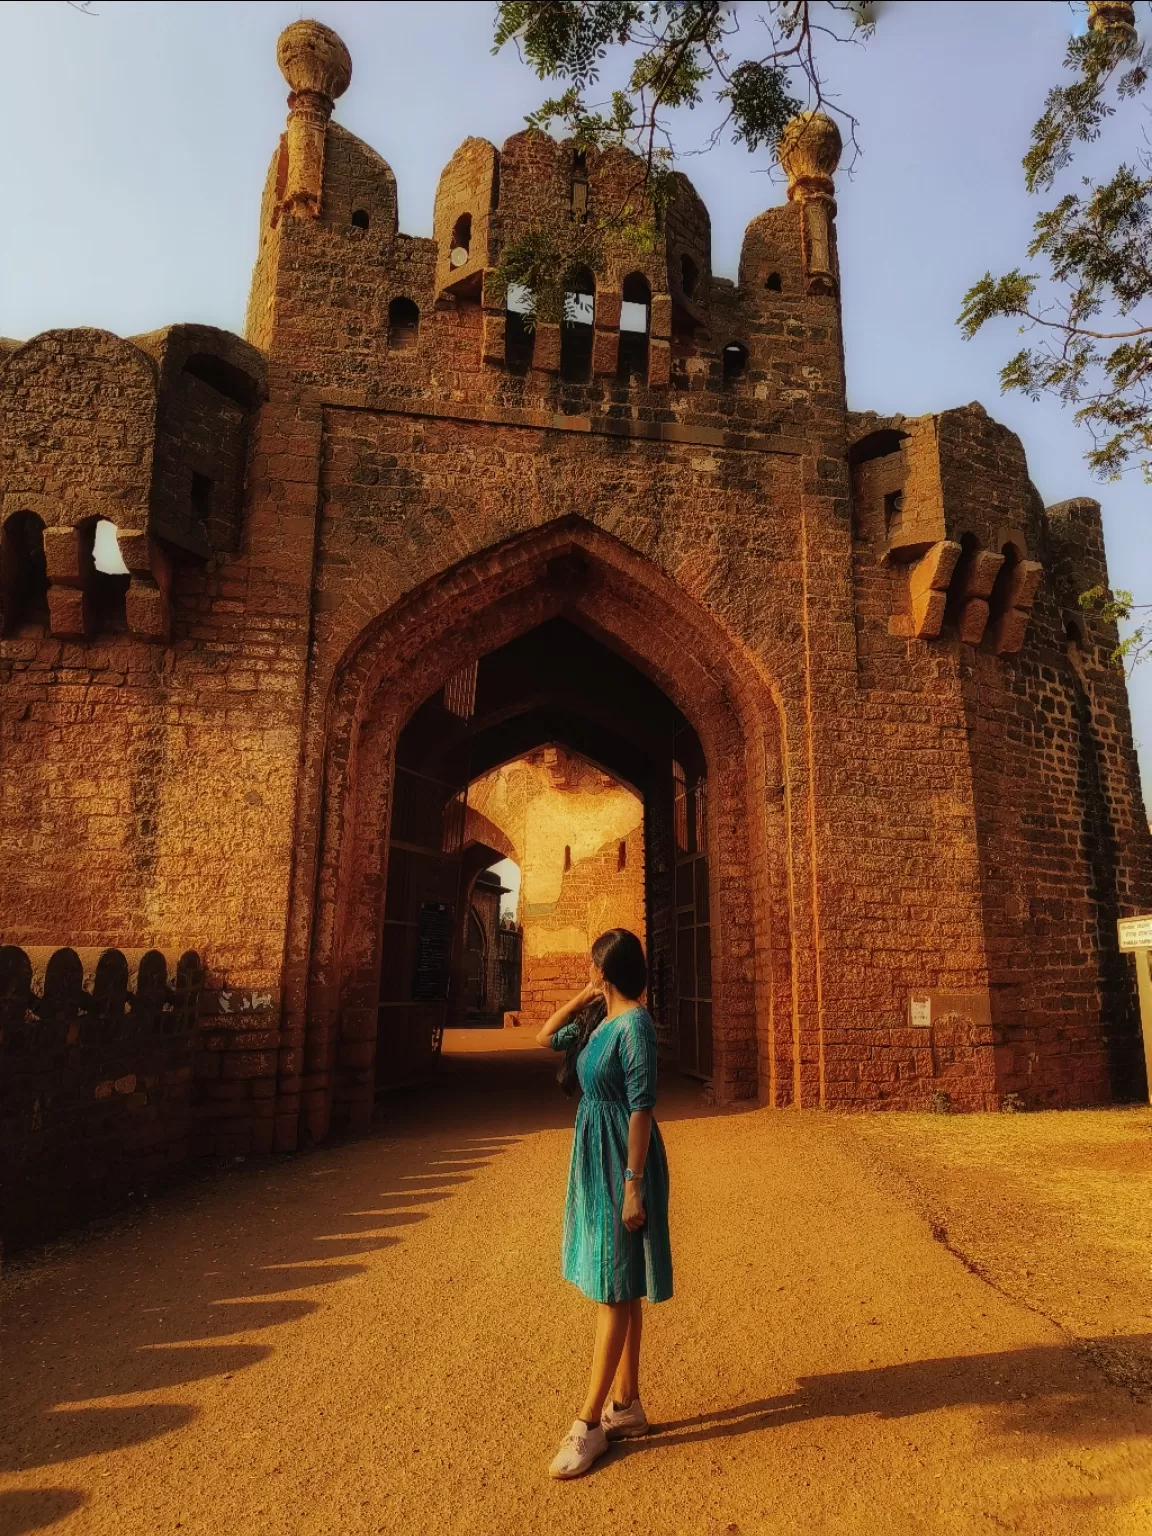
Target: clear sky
(137, 139)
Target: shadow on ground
(156, 1306)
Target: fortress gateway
(396, 537)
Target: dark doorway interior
(555, 684)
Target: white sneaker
(624, 1423)
(579, 1449)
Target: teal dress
(617, 1072)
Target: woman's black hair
(619, 957)
(586, 1021)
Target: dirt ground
(1053, 1209)
(375, 1338)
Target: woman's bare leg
(612, 1324)
(626, 1383)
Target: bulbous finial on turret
(809, 152)
(1112, 16)
(318, 67)
(312, 58)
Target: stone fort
(397, 536)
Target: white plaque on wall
(921, 1008)
(1135, 933)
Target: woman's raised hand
(591, 992)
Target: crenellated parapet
(96, 1073)
(342, 292)
(946, 502)
(117, 459)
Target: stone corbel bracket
(946, 574)
(977, 581)
(928, 592)
(147, 600)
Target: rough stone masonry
(923, 812)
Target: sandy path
(374, 1338)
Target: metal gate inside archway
(557, 684)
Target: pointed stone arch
(567, 568)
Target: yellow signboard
(1136, 937)
(1135, 933)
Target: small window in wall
(773, 282)
(689, 276)
(461, 246)
(567, 858)
(893, 513)
(403, 325)
(360, 219)
(735, 361)
(202, 498)
(622, 855)
(519, 336)
(106, 576)
(106, 556)
(576, 332)
(23, 573)
(635, 312)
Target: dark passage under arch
(555, 684)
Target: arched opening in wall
(461, 244)
(960, 585)
(360, 219)
(635, 319)
(23, 574)
(403, 325)
(567, 817)
(773, 283)
(105, 577)
(1000, 599)
(689, 277)
(519, 329)
(734, 361)
(576, 332)
(575, 759)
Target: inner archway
(577, 834)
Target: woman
(616, 1246)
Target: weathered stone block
(972, 621)
(605, 353)
(546, 349)
(66, 613)
(659, 364)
